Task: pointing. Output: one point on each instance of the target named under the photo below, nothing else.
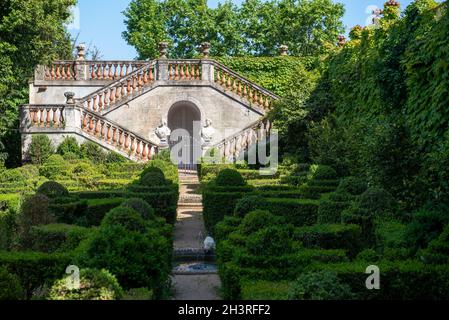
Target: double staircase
(122, 82)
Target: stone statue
(209, 245)
(163, 132)
(208, 132)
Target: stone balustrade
(46, 116)
(232, 146)
(60, 70)
(127, 86)
(112, 70)
(244, 88)
(88, 70)
(184, 70)
(119, 138)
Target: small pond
(195, 268)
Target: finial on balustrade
(81, 52)
(69, 97)
(163, 46)
(283, 50)
(341, 41)
(205, 49)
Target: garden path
(189, 235)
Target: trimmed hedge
(35, 269)
(255, 175)
(331, 236)
(399, 280)
(9, 201)
(315, 192)
(69, 213)
(287, 267)
(164, 203)
(299, 212)
(97, 209)
(264, 290)
(58, 237)
(330, 211)
(217, 205)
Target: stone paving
(189, 234)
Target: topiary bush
(142, 207)
(426, 225)
(93, 152)
(247, 204)
(53, 189)
(257, 220)
(271, 240)
(138, 259)
(229, 177)
(10, 288)
(125, 217)
(225, 227)
(154, 177)
(34, 211)
(363, 218)
(353, 185)
(169, 170)
(40, 149)
(378, 202)
(323, 285)
(94, 285)
(54, 167)
(69, 145)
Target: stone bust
(163, 132)
(208, 132)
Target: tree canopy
(255, 27)
(31, 32)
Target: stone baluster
(110, 75)
(144, 151)
(63, 73)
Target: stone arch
(187, 116)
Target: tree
(255, 28)
(31, 32)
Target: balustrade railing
(232, 146)
(118, 137)
(184, 70)
(46, 116)
(131, 84)
(60, 70)
(96, 70)
(112, 70)
(235, 83)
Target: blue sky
(101, 23)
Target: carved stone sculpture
(208, 132)
(163, 133)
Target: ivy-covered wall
(277, 74)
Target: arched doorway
(185, 143)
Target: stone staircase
(117, 84)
